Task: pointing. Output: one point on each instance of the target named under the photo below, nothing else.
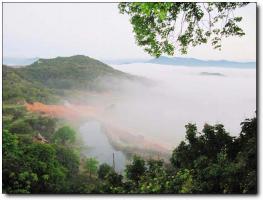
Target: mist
(181, 95)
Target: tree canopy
(65, 135)
(211, 161)
(170, 27)
(91, 165)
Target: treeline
(208, 162)
(40, 156)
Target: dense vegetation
(18, 90)
(41, 154)
(207, 162)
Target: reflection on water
(99, 146)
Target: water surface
(99, 147)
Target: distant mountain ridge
(193, 62)
(190, 62)
(163, 60)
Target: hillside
(17, 89)
(46, 79)
(75, 72)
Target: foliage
(210, 161)
(155, 178)
(91, 166)
(43, 162)
(219, 163)
(104, 170)
(30, 167)
(44, 125)
(9, 143)
(247, 155)
(19, 121)
(17, 89)
(82, 183)
(135, 169)
(64, 135)
(162, 28)
(68, 159)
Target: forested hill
(75, 72)
(45, 78)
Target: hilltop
(75, 72)
(45, 78)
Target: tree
(30, 167)
(136, 169)
(104, 171)
(84, 184)
(68, 159)
(10, 143)
(155, 179)
(41, 159)
(215, 162)
(113, 183)
(182, 182)
(20, 126)
(209, 143)
(16, 180)
(44, 125)
(91, 165)
(65, 135)
(162, 28)
(246, 157)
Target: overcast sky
(99, 31)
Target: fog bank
(181, 95)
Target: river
(99, 146)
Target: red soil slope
(78, 112)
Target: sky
(98, 30)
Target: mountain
(193, 62)
(75, 72)
(46, 77)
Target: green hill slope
(75, 72)
(47, 78)
(16, 89)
